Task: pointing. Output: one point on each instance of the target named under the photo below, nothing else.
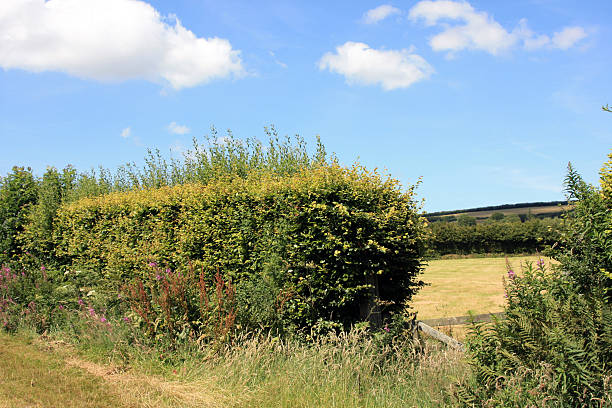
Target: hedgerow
(316, 245)
(533, 235)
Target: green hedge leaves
(317, 238)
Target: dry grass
(460, 286)
(348, 370)
(30, 377)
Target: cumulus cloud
(476, 30)
(361, 64)
(110, 40)
(125, 133)
(177, 129)
(379, 13)
(568, 37)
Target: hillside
(537, 209)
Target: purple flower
(540, 263)
(81, 302)
(386, 328)
(126, 319)
(511, 274)
(91, 311)
(168, 270)
(61, 307)
(152, 264)
(158, 276)
(103, 319)
(42, 268)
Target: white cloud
(379, 13)
(177, 129)
(125, 133)
(568, 37)
(477, 30)
(361, 64)
(110, 40)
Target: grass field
(460, 286)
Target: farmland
(461, 286)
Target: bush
(327, 241)
(465, 220)
(18, 191)
(554, 346)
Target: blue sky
(486, 101)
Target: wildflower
(91, 311)
(126, 319)
(103, 319)
(158, 276)
(42, 268)
(386, 328)
(81, 302)
(511, 274)
(61, 307)
(540, 263)
(152, 264)
(168, 270)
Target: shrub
(497, 216)
(327, 240)
(18, 191)
(465, 220)
(554, 346)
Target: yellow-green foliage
(317, 235)
(606, 178)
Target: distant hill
(537, 209)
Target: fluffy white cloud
(361, 64)
(125, 133)
(568, 37)
(477, 30)
(563, 40)
(177, 129)
(110, 40)
(379, 13)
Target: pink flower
(61, 307)
(91, 311)
(386, 328)
(126, 319)
(103, 319)
(152, 264)
(81, 302)
(511, 274)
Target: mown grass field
(460, 286)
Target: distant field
(509, 211)
(459, 286)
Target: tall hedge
(495, 237)
(325, 236)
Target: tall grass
(351, 369)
